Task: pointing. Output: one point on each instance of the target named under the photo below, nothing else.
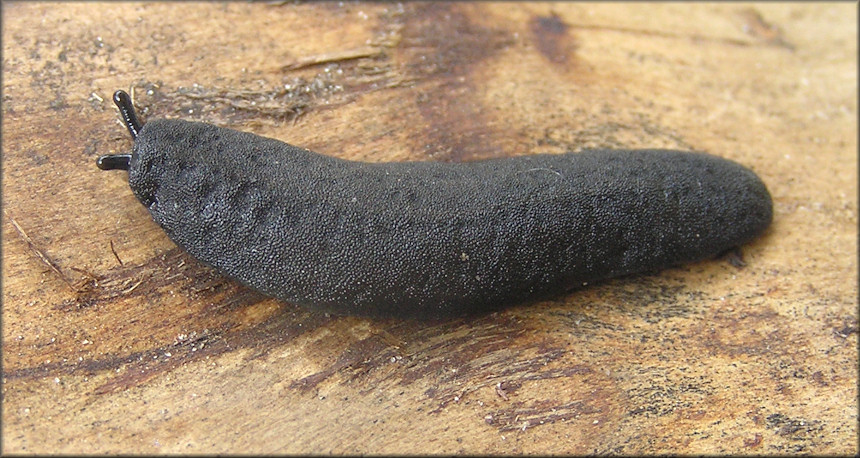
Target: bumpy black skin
(428, 239)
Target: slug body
(429, 239)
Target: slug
(429, 239)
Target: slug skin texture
(429, 239)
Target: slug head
(130, 162)
(126, 108)
(162, 149)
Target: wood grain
(115, 341)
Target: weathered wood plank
(128, 345)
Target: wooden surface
(116, 341)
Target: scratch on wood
(523, 417)
(334, 56)
(41, 254)
(132, 288)
(112, 250)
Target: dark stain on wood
(754, 442)
(139, 346)
(192, 347)
(138, 367)
(719, 333)
(804, 434)
(359, 358)
(552, 39)
(446, 42)
(667, 394)
(443, 46)
(460, 359)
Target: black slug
(430, 239)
